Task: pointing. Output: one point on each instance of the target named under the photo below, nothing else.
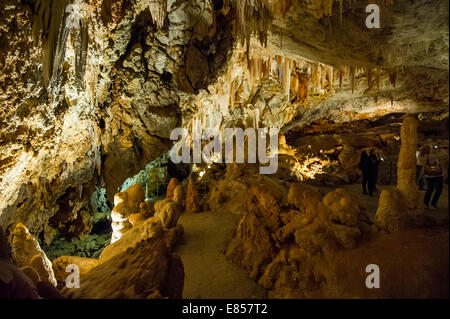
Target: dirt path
(208, 275)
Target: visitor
(363, 167)
(434, 177)
(420, 162)
(372, 170)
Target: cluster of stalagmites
(281, 236)
(138, 264)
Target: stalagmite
(352, 78)
(28, 252)
(406, 166)
(397, 206)
(393, 78)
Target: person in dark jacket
(363, 167)
(374, 162)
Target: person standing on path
(434, 176)
(372, 171)
(363, 167)
(421, 159)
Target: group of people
(429, 173)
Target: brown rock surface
(142, 271)
(27, 252)
(192, 199)
(173, 183)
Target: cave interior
(265, 196)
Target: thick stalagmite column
(397, 205)
(406, 166)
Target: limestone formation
(178, 196)
(397, 205)
(151, 228)
(31, 273)
(391, 215)
(91, 94)
(168, 214)
(406, 165)
(173, 236)
(27, 252)
(192, 198)
(244, 252)
(125, 204)
(146, 211)
(146, 270)
(349, 158)
(344, 207)
(272, 240)
(171, 188)
(15, 283)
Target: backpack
(432, 170)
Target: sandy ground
(208, 275)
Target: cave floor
(208, 275)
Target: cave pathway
(208, 275)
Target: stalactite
(393, 78)
(330, 76)
(48, 29)
(352, 78)
(158, 10)
(232, 94)
(315, 78)
(378, 80)
(286, 78)
(369, 78)
(303, 88)
(81, 53)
